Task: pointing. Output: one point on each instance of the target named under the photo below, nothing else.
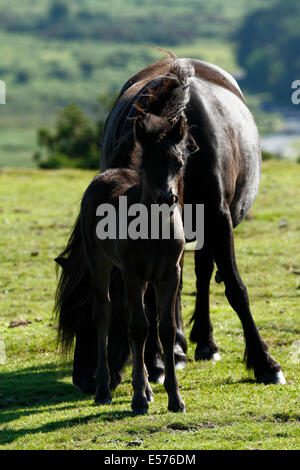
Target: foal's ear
(192, 146)
(178, 131)
(140, 129)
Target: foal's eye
(179, 164)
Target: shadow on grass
(8, 436)
(36, 390)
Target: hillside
(54, 53)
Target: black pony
(222, 172)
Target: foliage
(75, 141)
(171, 22)
(267, 155)
(268, 48)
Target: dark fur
(222, 171)
(162, 144)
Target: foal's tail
(74, 296)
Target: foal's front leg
(166, 297)
(138, 327)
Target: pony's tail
(74, 296)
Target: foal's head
(164, 148)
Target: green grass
(226, 409)
(17, 147)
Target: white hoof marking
(280, 378)
(216, 357)
(180, 365)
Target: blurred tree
(75, 141)
(268, 48)
(58, 10)
(86, 67)
(22, 76)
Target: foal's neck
(146, 197)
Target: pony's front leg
(166, 297)
(138, 327)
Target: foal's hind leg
(166, 293)
(257, 357)
(202, 330)
(153, 349)
(138, 329)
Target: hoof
(105, 401)
(115, 380)
(102, 398)
(87, 386)
(140, 411)
(207, 353)
(156, 372)
(160, 379)
(180, 357)
(139, 405)
(177, 408)
(276, 378)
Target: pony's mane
(165, 96)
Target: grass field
(226, 409)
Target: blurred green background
(58, 52)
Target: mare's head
(164, 145)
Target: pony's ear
(192, 146)
(140, 129)
(178, 131)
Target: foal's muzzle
(167, 198)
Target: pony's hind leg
(257, 357)
(180, 347)
(202, 330)
(101, 317)
(85, 355)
